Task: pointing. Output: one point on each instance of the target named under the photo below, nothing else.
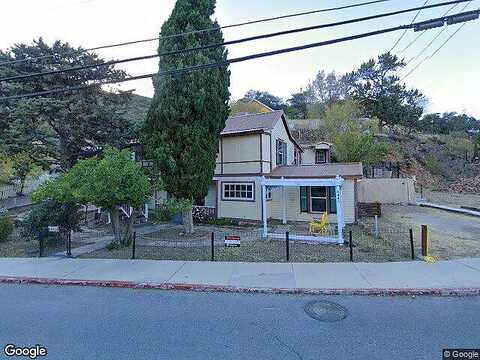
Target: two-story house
(255, 148)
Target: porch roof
(338, 181)
(330, 170)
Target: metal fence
(234, 245)
(43, 244)
(365, 242)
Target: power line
(221, 63)
(434, 53)
(434, 39)
(403, 34)
(207, 66)
(226, 43)
(200, 31)
(423, 33)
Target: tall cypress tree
(188, 111)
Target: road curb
(253, 290)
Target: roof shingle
(251, 122)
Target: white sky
(450, 79)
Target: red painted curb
(232, 289)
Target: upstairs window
(281, 152)
(320, 156)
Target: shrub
(433, 165)
(6, 226)
(170, 208)
(51, 213)
(113, 246)
(459, 145)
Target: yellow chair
(319, 226)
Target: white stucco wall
(386, 191)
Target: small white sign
(232, 241)
(54, 229)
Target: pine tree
(188, 111)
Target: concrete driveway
(452, 235)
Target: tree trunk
(188, 221)
(115, 220)
(122, 232)
(22, 186)
(127, 234)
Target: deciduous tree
(111, 183)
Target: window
(281, 152)
(318, 199)
(238, 191)
(268, 195)
(320, 156)
(333, 200)
(304, 199)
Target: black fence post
(69, 244)
(41, 244)
(287, 244)
(412, 248)
(212, 251)
(134, 245)
(351, 245)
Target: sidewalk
(459, 277)
(449, 208)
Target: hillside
(137, 108)
(440, 162)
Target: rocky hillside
(437, 162)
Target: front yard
(171, 244)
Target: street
(101, 323)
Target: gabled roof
(319, 171)
(261, 122)
(249, 122)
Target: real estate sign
(232, 241)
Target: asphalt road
(95, 323)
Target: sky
(449, 79)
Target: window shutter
(303, 199)
(284, 153)
(277, 148)
(333, 200)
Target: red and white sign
(232, 241)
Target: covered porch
(281, 185)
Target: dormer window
(320, 156)
(281, 152)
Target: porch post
(284, 201)
(340, 210)
(146, 211)
(264, 209)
